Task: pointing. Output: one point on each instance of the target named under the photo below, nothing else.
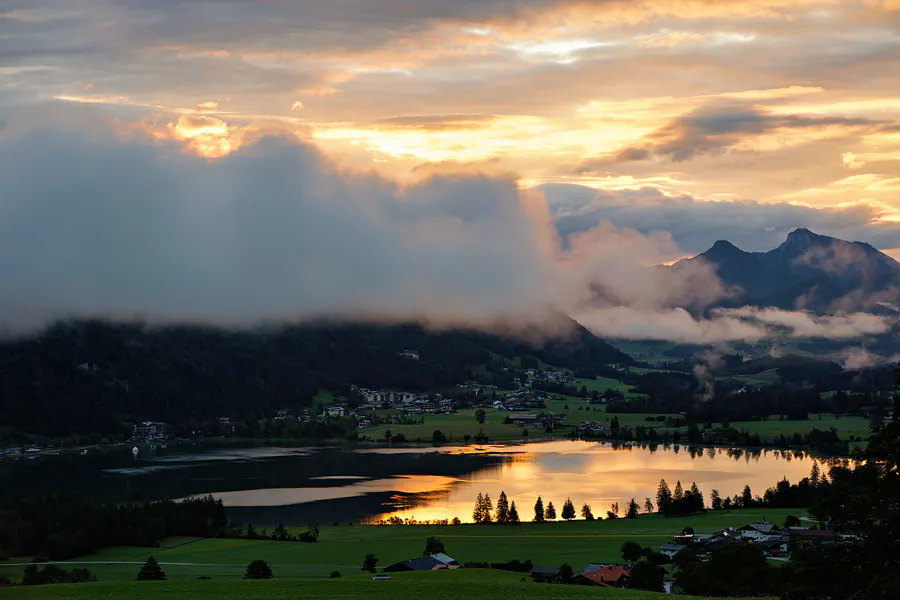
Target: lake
(267, 485)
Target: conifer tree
(502, 508)
(648, 506)
(715, 499)
(663, 496)
(539, 511)
(632, 510)
(478, 513)
(678, 494)
(487, 509)
(568, 510)
(814, 474)
(550, 512)
(151, 571)
(513, 513)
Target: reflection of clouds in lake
(404, 484)
(232, 455)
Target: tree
(716, 500)
(568, 510)
(814, 474)
(478, 512)
(258, 569)
(539, 511)
(251, 531)
(433, 546)
(480, 416)
(646, 575)
(684, 557)
(663, 496)
(31, 576)
(614, 508)
(513, 513)
(678, 494)
(335, 574)
(632, 551)
(550, 512)
(502, 508)
(746, 497)
(586, 512)
(632, 510)
(648, 506)
(151, 571)
(438, 437)
(456, 521)
(369, 564)
(792, 521)
(488, 508)
(566, 573)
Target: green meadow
(472, 584)
(344, 547)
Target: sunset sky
(702, 119)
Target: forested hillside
(89, 378)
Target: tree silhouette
(151, 571)
(648, 506)
(550, 512)
(632, 510)
(513, 513)
(586, 512)
(539, 511)
(258, 569)
(568, 510)
(632, 551)
(369, 564)
(502, 508)
(433, 546)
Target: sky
(441, 133)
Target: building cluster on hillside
(539, 420)
(150, 431)
(774, 542)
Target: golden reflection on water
(595, 473)
(599, 475)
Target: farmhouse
(608, 576)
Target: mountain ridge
(807, 271)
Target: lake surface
(268, 485)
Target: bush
(5, 580)
(82, 576)
(370, 563)
(335, 574)
(258, 569)
(204, 578)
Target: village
(774, 542)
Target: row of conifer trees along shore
(669, 502)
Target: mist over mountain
(807, 272)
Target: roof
(524, 416)
(763, 526)
(674, 547)
(608, 574)
(443, 558)
(552, 571)
(423, 563)
(595, 578)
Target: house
(668, 584)
(523, 419)
(423, 563)
(818, 536)
(670, 550)
(758, 530)
(607, 576)
(550, 574)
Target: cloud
(851, 161)
(133, 227)
(130, 225)
(297, 105)
(717, 127)
(695, 224)
(858, 357)
(208, 105)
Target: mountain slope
(808, 271)
(88, 377)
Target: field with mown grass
(344, 547)
(472, 584)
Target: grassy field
(344, 547)
(473, 584)
(846, 426)
(321, 399)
